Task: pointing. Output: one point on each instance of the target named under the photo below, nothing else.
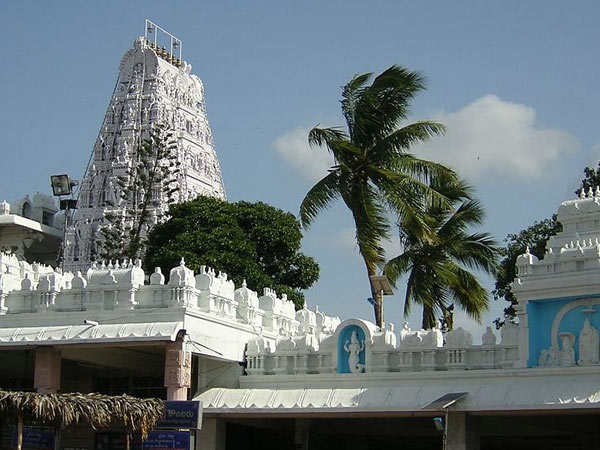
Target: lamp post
(443, 404)
(62, 185)
(382, 287)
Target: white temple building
(154, 86)
(31, 229)
(272, 377)
(268, 376)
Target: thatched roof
(136, 414)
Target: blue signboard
(35, 438)
(182, 415)
(167, 440)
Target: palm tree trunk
(376, 295)
(428, 320)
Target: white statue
(552, 357)
(588, 344)
(543, 358)
(567, 352)
(353, 347)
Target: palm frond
(320, 137)
(370, 221)
(320, 197)
(399, 141)
(351, 93)
(398, 266)
(469, 294)
(384, 104)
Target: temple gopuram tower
(154, 86)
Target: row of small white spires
(590, 192)
(207, 290)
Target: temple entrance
(506, 432)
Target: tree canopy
(440, 258)
(255, 242)
(591, 179)
(150, 181)
(534, 237)
(374, 173)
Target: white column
(212, 435)
(47, 370)
(521, 313)
(462, 432)
(178, 370)
(301, 434)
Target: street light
(442, 404)
(62, 185)
(382, 287)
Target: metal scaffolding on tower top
(157, 35)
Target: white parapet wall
(358, 346)
(219, 319)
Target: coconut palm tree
(374, 173)
(439, 258)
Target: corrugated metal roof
(502, 393)
(88, 333)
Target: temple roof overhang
(58, 335)
(408, 394)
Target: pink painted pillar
(46, 379)
(178, 370)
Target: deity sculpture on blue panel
(588, 344)
(354, 349)
(351, 350)
(567, 352)
(576, 348)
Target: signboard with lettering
(116, 440)
(35, 438)
(167, 440)
(182, 415)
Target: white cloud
(311, 163)
(492, 137)
(346, 238)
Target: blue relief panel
(541, 317)
(351, 350)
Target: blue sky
(514, 81)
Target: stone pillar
(47, 370)
(462, 432)
(301, 434)
(212, 434)
(178, 370)
(521, 313)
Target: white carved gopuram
(154, 86)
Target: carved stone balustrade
(108, 290)
(357, 346)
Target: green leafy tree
(374, 173)
(150, 181)
(534, 237)
(440, 257)
(591, 179)
(255, 242)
